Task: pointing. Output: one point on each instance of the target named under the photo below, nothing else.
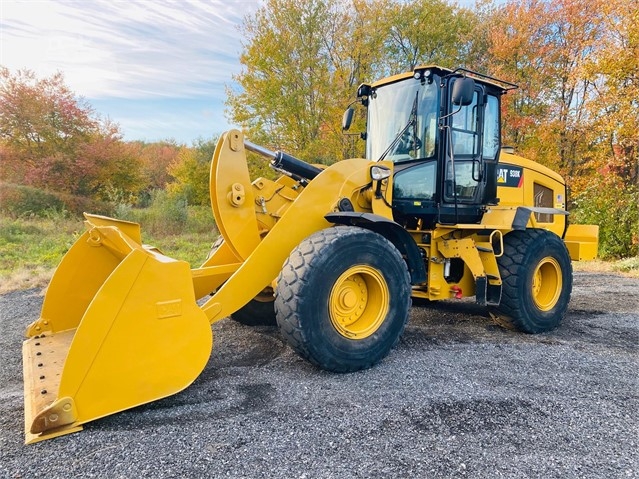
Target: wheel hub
(359, 302)
(546, 284)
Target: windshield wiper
(412, 121)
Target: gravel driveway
(458, 397)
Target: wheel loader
(438, 210)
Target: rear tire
(257, 312)
(536, 272)
(342, 298)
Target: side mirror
(463, 91)
(347, 119)
(363, 90)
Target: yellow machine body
(480, 245)
(121, 324)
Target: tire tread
(511, 312)
(289, 292)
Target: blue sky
(157, 68)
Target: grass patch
(31, 248)
(627, 267)
(25, 278)
(35, 242)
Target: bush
(615, 209)
(23, 201)
(166, 215)
(201, 221)
(19, 201)
(76, 205)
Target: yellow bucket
(119, 327)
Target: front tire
(536, 272)
(342, 298)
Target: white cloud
(133, 49)
(163, 126)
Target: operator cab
(441, 130)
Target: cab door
(464, 171)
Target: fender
(390, 230)
(524, 212)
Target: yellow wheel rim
(546, 284)
(358, 303)
(265, 296)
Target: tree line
(576, 63)
(52, 140)
(576, 109)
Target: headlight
(379, 172)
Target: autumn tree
(105, 164)
(613, 70)
(155, 159)
(606, 186)
(53, 140)
(41, 117)
(576, 109)
(549, 49)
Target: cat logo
(511, 176)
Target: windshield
(402, 121)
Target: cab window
(417, 182)
(491, 128)
(464, 128)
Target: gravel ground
(458, 397)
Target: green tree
(191, 171)
(303, 60)
(286, 98)
(418, 33)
